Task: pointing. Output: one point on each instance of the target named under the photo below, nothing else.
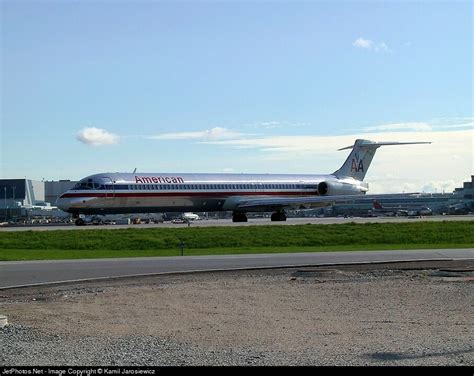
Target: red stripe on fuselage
(192, 194)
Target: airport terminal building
(53, 189)
(460, 201)
(25, 198)
(21, 192)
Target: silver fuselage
(114, 193)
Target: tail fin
(358, 161)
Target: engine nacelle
(333, 188)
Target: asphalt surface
(251, 222)
(22, 273)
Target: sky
(244, 87)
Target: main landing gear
(239, 217)
(278, 217)
(80, 222)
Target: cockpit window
(88, 184)
(82, 186)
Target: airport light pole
(13, 189)
(5, 206)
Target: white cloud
(453, 123)
(414, 126)
(382, 47)
(441, 166)
(273, 125)
(363, 43)
(371, 45)
(432, 125)
(216, 133)
(439, 186)
(97, 137)
(414, 165)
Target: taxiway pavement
(251, 222)
(23, 273)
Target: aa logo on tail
(357, 164)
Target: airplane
(115, 193)
(399, 211)
(458, 208)
(390, 211)
(420, 212)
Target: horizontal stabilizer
(362, 153)
(378, 144)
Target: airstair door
(109, 189)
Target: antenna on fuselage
(135, 170)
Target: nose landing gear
(239, 217)
(79, 222)
(279, 216)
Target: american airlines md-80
(115, 193)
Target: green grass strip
(223, 240)
(62, 254)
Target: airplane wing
(296, 203)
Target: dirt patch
(388, 312)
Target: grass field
(37, 245)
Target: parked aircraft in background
(458, 208)
(389, 211)
(109, 193)
(420, 212)
(379, 209)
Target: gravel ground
(406, 314)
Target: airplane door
(109, 189)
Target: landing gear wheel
(278, 217)
(239, 217)
(80, 222)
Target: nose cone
(63, 203)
